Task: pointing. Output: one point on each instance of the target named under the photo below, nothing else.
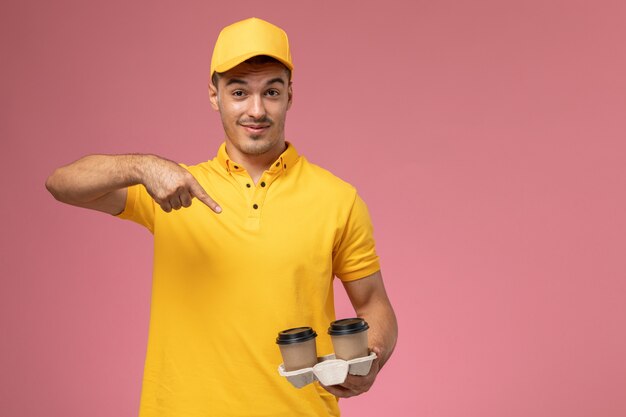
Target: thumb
(197, 191)
(378, 351)
(380, 356)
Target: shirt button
(277, 163)
(285, 166)
(248, 185)
(256, 206)
(236, 167)
(262, 183)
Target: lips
(255, 128)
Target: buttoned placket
(255, 194)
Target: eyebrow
(235, 81)
(240, 81)
(276, 80)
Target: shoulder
(202, 170)
(202, 166)
(323, 179)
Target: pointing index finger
(197, 191)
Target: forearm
(383, 331)
(100, 182)
(93, 176)
(370, 302)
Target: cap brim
(232, 63)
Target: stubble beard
(258, 147)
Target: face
(253, 101)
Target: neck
(256, 165)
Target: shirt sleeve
(140, 207)
(355, 256)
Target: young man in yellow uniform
(255, 255)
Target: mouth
(255, 129)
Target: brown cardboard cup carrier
(301, 367)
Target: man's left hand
(354, 384)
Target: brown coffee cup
(297, 346)
(349, 337)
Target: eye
(273, 93)
(238, 93)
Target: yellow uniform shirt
(225, 284)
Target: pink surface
(487, 138)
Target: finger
(185, 198)
(338, 391)
(175, 202)
(378, 351)
(356, 383)
(175, 199)
(197, 191)
(376, 363)
(165, 205)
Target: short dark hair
(255, 60)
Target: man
(229, 276)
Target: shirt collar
(285, 161)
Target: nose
(256, 110)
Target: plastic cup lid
(295, 335)
(347, 326)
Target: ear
(290, 95)
(213, 97)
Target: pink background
(487, 138)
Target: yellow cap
(247, 38)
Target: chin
(256, 146)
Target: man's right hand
(172, 186)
